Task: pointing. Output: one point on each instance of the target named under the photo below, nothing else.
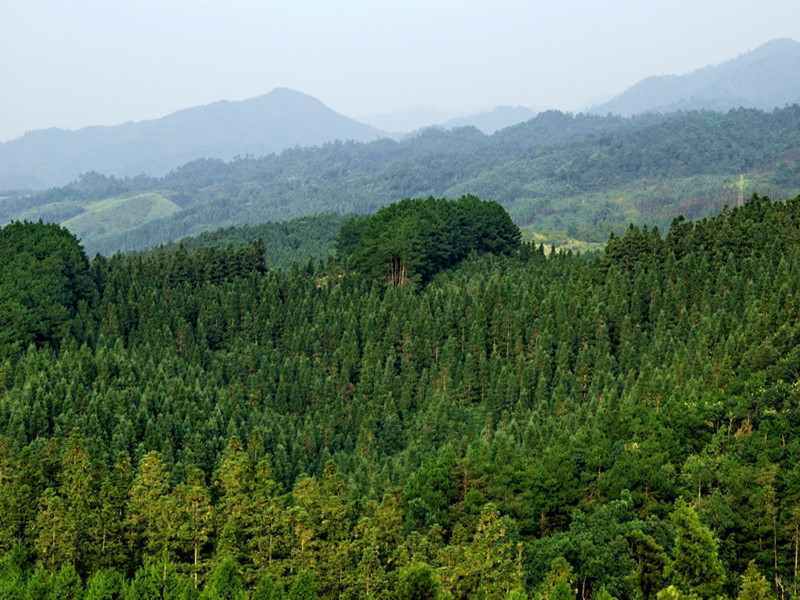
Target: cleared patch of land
(115, 215)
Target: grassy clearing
(117, 215)
(560, 240)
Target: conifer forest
(436, 410)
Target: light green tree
(695, 568)
(754, 585)
(303, 587)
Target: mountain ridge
(262, 125)
(764, 78)
(583, 173)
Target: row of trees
(522, 425)
(133, 534)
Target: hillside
(285, 243)
(520, 426)
(764, 78)
(259, 126)
(582, 176)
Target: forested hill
(295, 241)
(587, 174)
(521, 426)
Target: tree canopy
(44, 275)
(414, 239)
(524, 425)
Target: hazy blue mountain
(765, 78)
(270, 123)
(494, 120)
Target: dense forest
(519, 424)
(295, 241)
(588, 174)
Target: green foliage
(295, 241)
(66, 585)
(583, 175)
(158, 582)
(754, 585)
(418, 583)
(267, 589)
(302, 587)
(105, 584)
(559, 581)
(651, 563)
(43, 278)
(696, 568)
(12, 575)
(412, 240)
(516, 409)
(227, 585)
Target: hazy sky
(73, 63)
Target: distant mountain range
(281, 119)
(580, 176)
(765, 78)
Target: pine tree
(227, 585)
(303, 587)
(105, 584)
(559, 581)
(191, 502)
(267, 589)
(651, 561)
(696, 567)
(12, 574)
(490, 556)
(148, 509)
(66, 585)
(418, 582)
(234, 479)
(754, 586)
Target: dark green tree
(44, 275)
(418, 582)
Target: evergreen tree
(418, 582)
(651, 562)
(695, 567)
(148, 513)
(302, 587)
(66, 585)
(105, 584)
(754, 585)
(267, 589)
(226, 585)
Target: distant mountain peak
(764, 78)
(283, 118)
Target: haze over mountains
(764, 78)
(418, 117)
(270, 123)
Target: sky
(75, 63)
